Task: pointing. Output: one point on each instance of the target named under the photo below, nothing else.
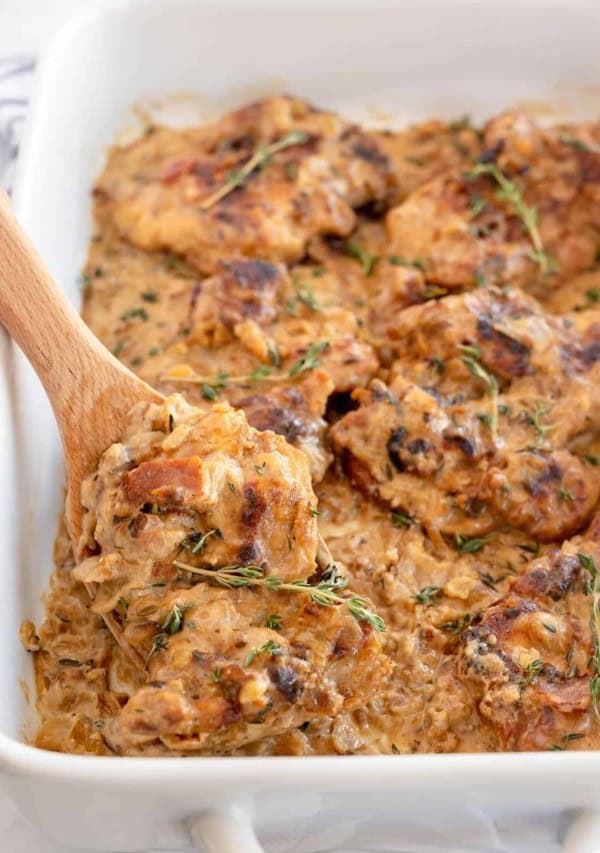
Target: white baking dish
(411, 59)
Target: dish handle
(230, 831)
(226, 830)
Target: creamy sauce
(364, 248)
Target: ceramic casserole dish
(374, 60)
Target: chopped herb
(469, 546)
(118, 348)
(572, 736)
(488, 580)
(395, 750)
(438, 364)
(85, 282)
(260, 469)
(269, 648)
(428, 595)
(231, 487)
(534, 419)
(173, 620)
(159, 642)
(307, 297)
(470, 349)
(485, 419)
(171, 422)
(150, 296)
(366, 259)
(291, 308)
(476, 369)
(592, 459)
(260, 158)
(208, 392)
(274, 354)
(69, 662)
(457, 626)
(399, 519)
(579, 144)
(531, 671)
(123, 603)
(325, 593)
(197, 655)
(399, 261)
(564, 494)
(313, 511)
(310, 360)
(534, 548)
(508, 191)
(593, 295)
(549, 627)
(215, 675)
(273, 621)
(155, 351)
(480, 278)
(196, 542)
(133, 313)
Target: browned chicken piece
(308, 185)
(241, 665)
(241, 290)
(486, 439)
(191, 497)
(295, 412)
(199, 484)
(528, 657)
(421, 152)
(526, 215)
(341, 348)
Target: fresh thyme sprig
(477, 370)
(589, 565)
(309, 360)
(534, 418)
(210, 385)
(325, 593)
(269, 648)
(260, 158)
(508, 191)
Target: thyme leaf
(260, 158)
(325, 593)
(366, 259)
(428, 595)
(477, 370)
(310, 359)
(469, 546)
(508, 191)
(269, 648)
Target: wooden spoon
(91, 392)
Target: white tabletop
(25, 28)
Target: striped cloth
(16, 75)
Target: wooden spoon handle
(38, 316)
